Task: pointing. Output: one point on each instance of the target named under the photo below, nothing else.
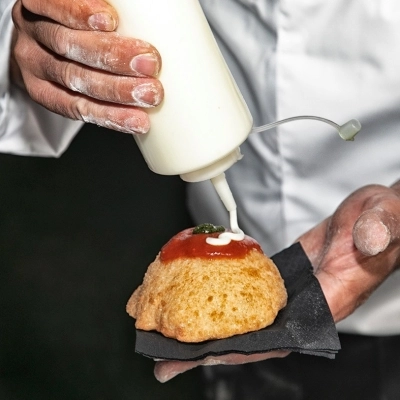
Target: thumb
(375, 230)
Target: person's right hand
(71, 61)
(357, 248)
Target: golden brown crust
(197, 299)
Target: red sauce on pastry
(186, 244)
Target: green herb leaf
(208, 228)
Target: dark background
(76, 236)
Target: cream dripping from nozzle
(224, 192)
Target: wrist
(341, 301)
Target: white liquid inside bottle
(197, 130)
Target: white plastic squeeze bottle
(197, 130)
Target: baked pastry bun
(194, 291)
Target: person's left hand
(352, 252)
(357, 248)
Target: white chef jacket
(337, 59)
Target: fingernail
(145, 64)
(137, 126)
(102, 22)
(371, 236)
(146, 95)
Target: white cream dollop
(225, 237)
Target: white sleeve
(26, 128)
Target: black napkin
(305, 325)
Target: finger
(107, 51)
(75, 106)
(374, 230)
(85, 14)
(143, 93)
(166, 370)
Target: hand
(71, 61)
(352, 252)
(355, 249)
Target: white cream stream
(224, 192)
